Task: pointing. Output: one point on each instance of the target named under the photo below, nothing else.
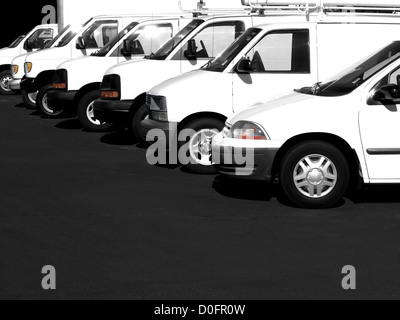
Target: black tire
(42, 106)
(85, 114)
(340, 170)
(5, 78)
(140, 115)
(28, 101)
(198, 126)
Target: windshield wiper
(313, 90)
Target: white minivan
(265, 62)
(36, 39)
(80, 41)
(319, 139)
(78, 80)
(125, 85)
(18, 70)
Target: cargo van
(321, 139)
(18, 72)
(265, 62)
(36, 39)
(78, 80)
(125, 85)
(80, 41)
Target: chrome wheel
(90, 115)
(47, 108)
(32, 97)
(5, 83)
(200, 147)
(315, 176)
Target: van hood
(50, 54)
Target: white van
(320, 139)
(79, 79)
(125, 85)
(18, 70)
(36, 39)
(265, 62)
(39, 68)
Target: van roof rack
(202, 9)
(325, 6)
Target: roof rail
(203, 10)
(325, 5)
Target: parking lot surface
(115, 227)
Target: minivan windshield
(350, 79)
(107, 48)
(52, 42)
(166, 50)
(16, 42)
(220, 63)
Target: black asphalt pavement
(115, 227)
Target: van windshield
(350, 79)
(52, 42)
(170, 46)
(66, 39)
(16, 42)
(107, 48)
(220, 63)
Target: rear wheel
(86, 113)
(42, 104)
(29, 99)
(200, 144)
(5, 79)
(314, 175)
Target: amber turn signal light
(59, 85)
(109, 94)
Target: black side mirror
(388, 94)
(191, 52)
(126, 47)
(28, 45)
(132, 47)
(80, 44)
(244, 66)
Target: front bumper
(29, 85)
(152, 129)
(252, 163)
(60, 100)
(112, 111)
(15, 85)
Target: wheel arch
(94, 86)
(349, 153)
(201, 115)
(137, 103)
(5, 67)
(44, 78)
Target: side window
(283, 52)
(40, 38)
(100, 33)
(214, 39)
(147, 39)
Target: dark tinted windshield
(350, 79)
(220, 63)
(107, 48)
(166, 50)
(16, 42)
(61, 34)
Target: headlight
(60, 79)
(245, 130)
(111, 87)
(156, 103)
(14, 69)
(28, 67)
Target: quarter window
(283, 52)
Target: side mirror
(28, 45)
(126, 47)
(191, 52)
(80, 44)
(244, 66)
(132, 47)
(388, 94)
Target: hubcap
(32, 97)
(201, 147)
(5, 83)
(315, 176)
(90, 115)
(47, 108)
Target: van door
(210, 42)
(281, 61)
(380, 133)
(97, 36)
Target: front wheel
(5, 79)
(86, 114)
(314, 175)
(42, 104)
(200, 144)
(29, 99)
(140, 115)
